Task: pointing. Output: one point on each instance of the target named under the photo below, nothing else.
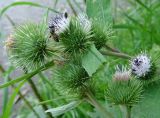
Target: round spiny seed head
(84, 22)
(124, 92)
(142, 66)
(71, 78)
(75, 39)
(122, 74)
(59, 24)
(101, 34)
(32, 47)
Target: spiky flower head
(142, 66)
(101, 33)
(31, 46)
(75, 39)
(71, 79)
(122, 74)
(59, 23)
(124, 92)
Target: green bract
(31, 47)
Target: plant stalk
(112, 49)
(121, 55)
(39, 97)
(96, 104)
(126, 111)
(128, 115)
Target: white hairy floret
(59, 23)
(141, 65)
(84, 22)
(122, 74)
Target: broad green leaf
(20, 3)
(99, 10)
(92, 60)
(65, 108)
(28, 76)
(150, 105)
(10, 103)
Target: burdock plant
(73, 41)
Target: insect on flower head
(141, 65)
(59, 23)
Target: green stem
(121, 55)
(95, 103)
(45, 79)
(126, 110)
(29, 75)
(111, 49)
(39, 97)
(71, 6)
(10, 20)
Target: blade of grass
(21, 95)
(22, 3)
(143, 5)
(6, 92)
(29, 75)
(7, 112)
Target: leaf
(150, 104)
(29, 75)
(7, 111)
(65, 108)
(99, 10)
(92, 60)
(24, 3)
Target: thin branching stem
(128, 115)
(91, 99)
(121, 55)
(71, 6)
(111, 49)
(126, 110)
(39, 97)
